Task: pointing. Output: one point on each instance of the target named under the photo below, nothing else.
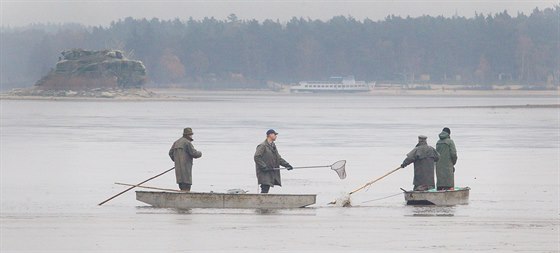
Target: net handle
(340, 170)
(315, 167)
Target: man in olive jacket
(445, 167)
(266, 159)
(182, 153)
(423, 157)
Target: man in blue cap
(267, 159)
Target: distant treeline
(232, 53)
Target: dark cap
(271, 131)
(187, 131)
(447, 130)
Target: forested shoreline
(233, 53)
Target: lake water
(60, 158)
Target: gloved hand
(289, 167)
(402, 166)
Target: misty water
(60, 158)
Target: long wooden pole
(151, 187)
(134, 186)
(372, 182)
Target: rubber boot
(185, 187)
(265, 188)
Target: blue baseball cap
(271, 131)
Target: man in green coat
(182, 153)
(266, 159)
(423, 157)
(445, 167)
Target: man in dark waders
(423, 157)
(266, 159)
(182, 153)
(445, 167)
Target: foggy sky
(23, 12)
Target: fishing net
(343, 200)
(340, 168)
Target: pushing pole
(134, 186)
(151, 187)
(346, 200)
(372, 182)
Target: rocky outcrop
(80, 69)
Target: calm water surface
(60, 158)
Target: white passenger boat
(334, 84)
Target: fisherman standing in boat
(182, 153)
(267, 159)
(445, 167)
(423, 157)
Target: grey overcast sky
(102, 12)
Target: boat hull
(438, 198)
(222, 200)
(317, 90)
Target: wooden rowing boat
(459, 196)
(187, 200)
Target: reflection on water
(429, 211)
(307, 211)
(266, 211)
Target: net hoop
(340, 168)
